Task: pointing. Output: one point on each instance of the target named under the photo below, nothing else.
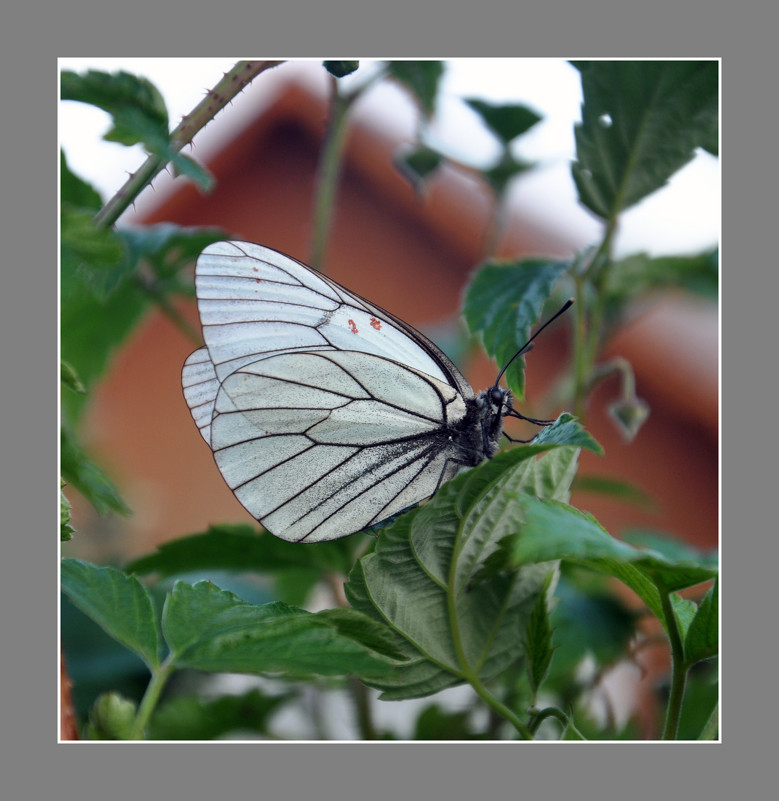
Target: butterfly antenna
(529, 344)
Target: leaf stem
(233, 82)
(151, 698)
(678, 669)
(498, 706)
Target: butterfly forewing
(255, 302)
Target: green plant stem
(549, 712)
(678, 670)
(233, 82)
(581, 366)
(328, 172)
(151, 698)
(498, 706)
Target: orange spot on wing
(375, 323)
(352, 326)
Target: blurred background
(412, 255)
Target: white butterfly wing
(320, 445)
(325, 413)
(255, 302)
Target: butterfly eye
(497, 396)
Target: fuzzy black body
(476, 437)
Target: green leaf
(587, 620)
(567, 430)
(365, 630)
(214, 630)
(136, 105)
(95, 252)
(671, 547)
(66, 530)
(191, 718)
(552, 530)
(75, 192)
(241, 547)
(93, 325)
(421, 78)
(118, 603)
(641, 122)
(138, 114)
(538, 640)
(418, 164)
(502, 302)
(505, 120)
(614, 488)
(435, 723)
(89, 479)
(702, 639)
(639, 273)
(421, 581)
(167, 248)
(340, 69)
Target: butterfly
(325, 413)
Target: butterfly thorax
(476, 436)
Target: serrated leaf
(421, 78)
(214, 630)
(641, 122)
(191, 718)
(240, 547)
(417, 581)
(118, 603)
(88, 478)
(702, 639)
(505, 120)
(502, 301)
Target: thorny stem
(232, 84)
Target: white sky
(683, 217)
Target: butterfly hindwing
(318, 445)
